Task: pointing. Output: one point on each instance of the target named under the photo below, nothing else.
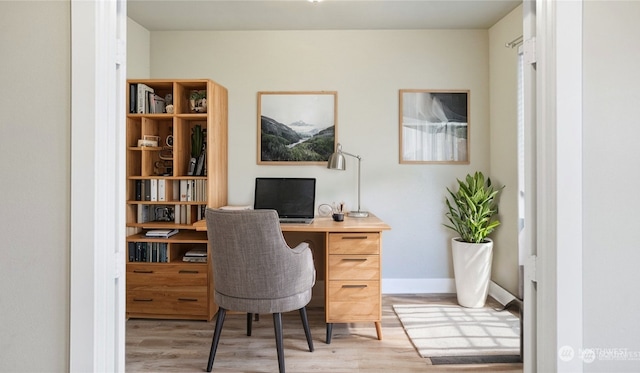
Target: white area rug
(449, 330)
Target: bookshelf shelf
(168, 187)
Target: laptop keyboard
(295, 221)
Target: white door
(553, 181)
(97, 292)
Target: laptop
(293, 198)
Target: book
(138, 256)
(161, 233)
(162, 190)
(142, 95)
(132, 251)
(139, 184)
(188, 218)
(147, 190)
(183, 214)
(198, 255)
(196, 252)
(157, 104)
(183, 190)
(163, 253)
(154, 189)
(133, 102)
(194, 259)
(154, 252)
(176, 215)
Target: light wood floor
(183, 346)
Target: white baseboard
(437, 286)
(498, 293)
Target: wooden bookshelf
(158, 197)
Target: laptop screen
(290, 197)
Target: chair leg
(216, 337)
(249, 320)
(305, 325)
(277, 325)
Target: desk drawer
(350, 301)
(354, 243)
(354, 267)
(167, 274)
(167, 300)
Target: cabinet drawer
(353, 301)
(354, 267)
(169, 274)
(167, 300)
(354, 243)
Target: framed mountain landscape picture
(296, 128)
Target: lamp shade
(336, 161)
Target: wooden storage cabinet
(160, 284)
(171, 290)
(353, 278)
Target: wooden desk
(347, 256)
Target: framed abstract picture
(434, 126)
(296, 128)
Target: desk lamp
(338, 162)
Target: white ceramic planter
(472, 271)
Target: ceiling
(189, 15)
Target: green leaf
(471, 209)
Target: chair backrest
(250, 257)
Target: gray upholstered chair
(256, 272)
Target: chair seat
(278, 305)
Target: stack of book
(195, 255)
(161, 233)
(150, 252)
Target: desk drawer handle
(355, 259)
(354, 286)
(354, 237)
(187, 299)
(188, 271)
(142, 300)
(141, 271)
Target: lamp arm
(352, 155)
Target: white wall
(34, 194)
(138, 45)
(366, 68)
(611, 250)
(503, 77)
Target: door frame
(97, 186)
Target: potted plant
(471, 213)
(198, 101)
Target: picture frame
(434, 126)
(296, 128)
